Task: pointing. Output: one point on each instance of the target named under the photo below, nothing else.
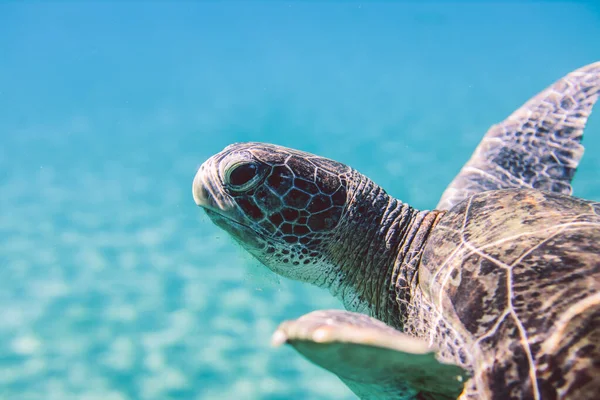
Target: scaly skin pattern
(318, 221)
(516, 275)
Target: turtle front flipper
(538, 146)
(373, 359)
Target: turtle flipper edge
(538, 146)
(374, 360)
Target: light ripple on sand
(145, 290)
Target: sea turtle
(494, 294)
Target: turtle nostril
(201, 196)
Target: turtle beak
(200, 191)
(208, 194)
(220, 209)
(206, 191)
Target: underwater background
(113, 284)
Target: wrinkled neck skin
(378, 254)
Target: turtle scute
(517, 274)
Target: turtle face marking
(279, 203)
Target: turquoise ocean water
(113, 285)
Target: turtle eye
(242, 176)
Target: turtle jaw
(252, 240)
(222, 211)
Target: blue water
(113, 285)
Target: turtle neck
(377, 253)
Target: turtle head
(280, 204)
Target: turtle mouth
(242, 233)
(220, 219)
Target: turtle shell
(516, 274)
